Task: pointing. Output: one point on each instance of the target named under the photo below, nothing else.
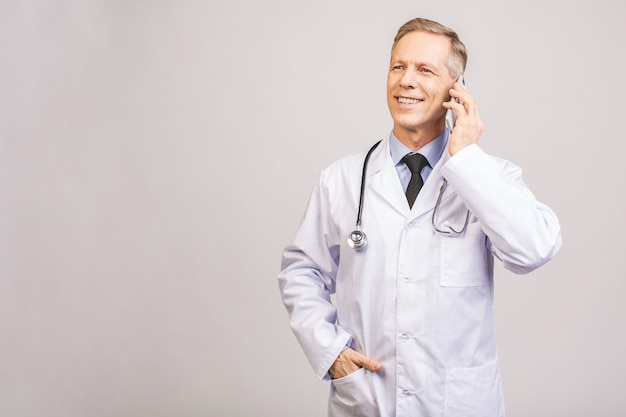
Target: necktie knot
(415, 162)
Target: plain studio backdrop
(156, 157)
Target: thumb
(367, 363)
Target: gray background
(136, 277)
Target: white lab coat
(418, 301)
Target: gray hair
(458, 52)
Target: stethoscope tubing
(358, 239)
(363, 175)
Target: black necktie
(415, 162)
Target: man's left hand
(468, 127)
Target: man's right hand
(350, 361)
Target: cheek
(390, 85)
(439, 96)
(393, 79)
(443, 91)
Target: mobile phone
(451, 114)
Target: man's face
(418, 83)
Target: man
(410, 331)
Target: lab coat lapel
(383, 179)
(427, 197)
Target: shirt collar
(432, 151)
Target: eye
(425, 70)
(397, 67)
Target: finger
(459, 88)
(365, 362)
(454, 105)
(468, 105)
(343, 365)
(459, 92)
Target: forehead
(422, 47)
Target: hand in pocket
(350, 361)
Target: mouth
(408, 100)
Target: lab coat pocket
(474, 392)
(465, 259)
(353, 395)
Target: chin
(409, 124)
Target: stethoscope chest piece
(357, 240)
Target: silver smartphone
(451, 114)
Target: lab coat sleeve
(523, 233)
(307, 280)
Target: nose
(409, 79)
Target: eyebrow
(443, 70)
(416, 63)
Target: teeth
(405, 100)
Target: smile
(406, 100)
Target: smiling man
(410, 330)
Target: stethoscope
(357, 239)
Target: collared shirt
(432, 151)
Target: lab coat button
(407, 280)
(404, 337)
(406, 392)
